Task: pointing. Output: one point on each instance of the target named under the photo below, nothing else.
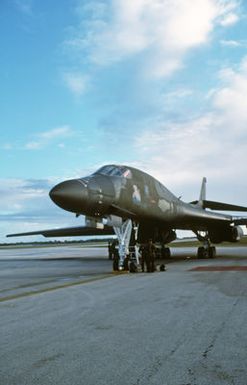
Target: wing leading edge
(68, 231)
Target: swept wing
(213, 205)
(68, 231)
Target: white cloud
(230, 100)
(34, 145)
(163, 30)
(57, 132)
(44, 138)
(178, 152)
(25, 206)
(76, 82)
(18, 193)
(213, 144)
(229, 19)
(231, 43)
(171, 98)
(7, 146)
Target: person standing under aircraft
(115, 255)
(143, 252)
(148, 256)
(151, 255)
(110, 253)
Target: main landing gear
(207, 250)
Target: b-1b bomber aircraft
(133, 205)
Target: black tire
(201, 251)
(132, 267)
(166, 253)
(212, 252)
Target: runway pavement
(66, 319)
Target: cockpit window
(115, 171)
(106, 170)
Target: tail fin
(203, 191)
(202, 197)
(212, 205)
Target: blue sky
(157, 84)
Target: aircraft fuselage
(131, 193)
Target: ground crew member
(143, 252)
(151, 255)
(148, 256)
(110, 250)
(115, 256)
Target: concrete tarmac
(66, 319)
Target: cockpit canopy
(113, 170)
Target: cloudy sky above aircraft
(157, 84)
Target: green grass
(27, 245)
(196, 243)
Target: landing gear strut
(123, 234)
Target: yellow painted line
(49, 289)
(120, 272)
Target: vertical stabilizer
(202, 196)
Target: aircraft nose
(69, 195)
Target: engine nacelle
(169, 236)
(228, 234)
(237, 233)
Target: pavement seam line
(49, 289)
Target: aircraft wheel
(212, 252)
(133, 267)
(166, 253)
(201, 252)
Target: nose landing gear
(123, 233)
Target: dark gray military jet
(133, 205)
